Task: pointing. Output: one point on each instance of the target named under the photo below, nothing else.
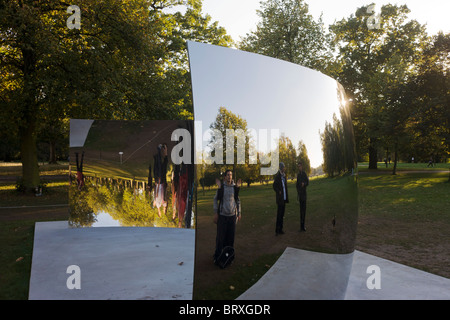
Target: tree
(428, 126)
(332, 147)
(338, 145)
(288, 32)
(302, 156)
(370, 58)
(288, 156)
(125, 62)
(226, 120)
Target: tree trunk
(28, 153)
(52, 156)
(27, 131)
(394, 171)
(373, 154)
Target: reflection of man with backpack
(227, 212)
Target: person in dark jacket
(282, 197)
(302, 183)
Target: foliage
(129, 206)
(127, 61)
(288, 32)
(377, 64)
(248, 171)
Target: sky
(239, 17)
(270, 94)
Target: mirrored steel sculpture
(123, 173)
(288, 115)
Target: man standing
(226, 212)
(281, 194)
(302, 183)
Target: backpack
(226, 257)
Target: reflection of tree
(332, 147)
(127, 202)
(302, 156)
(338, 144)
(80, 213)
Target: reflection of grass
(327, 199)
(113, 135)
(257, 248)
(104, 168)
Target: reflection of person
(302, 183)
(160, 173)
(159, 199)
(80, 177)
(160, 164)
(282, 197)
(430, 163)
(182, 193)
(226, 212)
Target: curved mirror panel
(276, 167)
(131, 173)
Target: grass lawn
(18, 214)
(404, 218)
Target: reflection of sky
(268, 93)
(104, 219)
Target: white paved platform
(397, 281)
(305, 275)
(121, 263)
(117, 263)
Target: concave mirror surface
(289, 114)
(122, 174)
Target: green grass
(16, 248)
(14, 169)
(406, 218)
(245, 276)
(55, 192)
(406, 166)
(410, 196)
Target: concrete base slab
(396, 281)
(303, 275)
(306, 275)
(127, 263)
